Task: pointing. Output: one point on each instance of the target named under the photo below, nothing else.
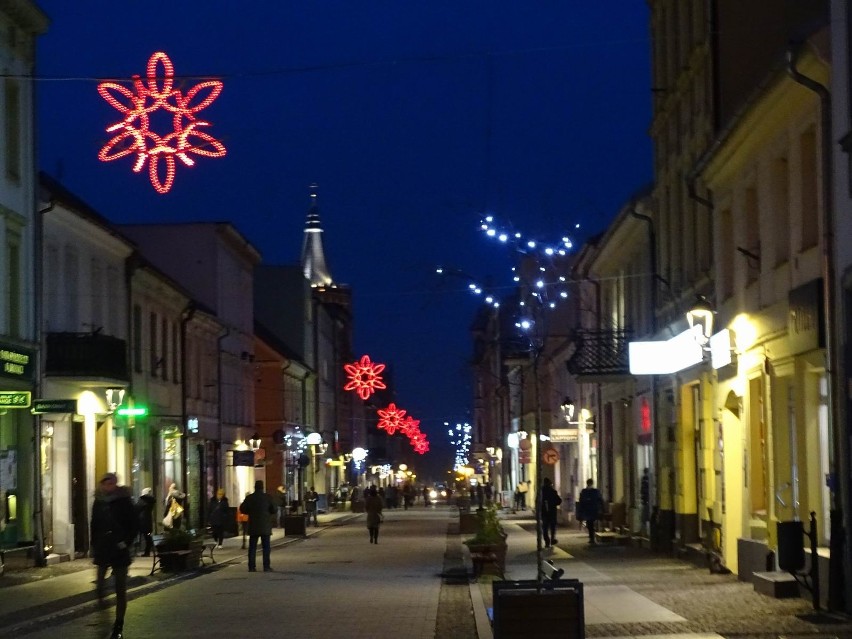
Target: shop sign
(16, 362)
(15, 399)
(243, 458)
(564, 435)
(41, 406)
(805, 319)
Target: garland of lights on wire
(135, 136)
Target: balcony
(86, 355)
(600, 356)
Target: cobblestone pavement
(709, 603)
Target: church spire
(313, 258)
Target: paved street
(335, 583)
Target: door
(79, 489)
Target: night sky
(413, 117)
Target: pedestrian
(425, 496)
(281, 504)
(173, 515)
(645, 499)
(259, 508)
(145, 516)
(311, 499)
(373, 508)
(589, 507)
(489, 492)
(113, 528)
(523, 488)
(217, 515)
(550, 500)
(480, 496)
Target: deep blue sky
(413, 117)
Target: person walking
(145, 515)
(259, 508)
(173, 515)
(645, 500)
(523, 488)
(113, 528)
(281, 504)
(311, 499)
(373, 508)
(217, 514)
(589, 508)
(550, 501)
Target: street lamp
(254, 442)
(700, 318)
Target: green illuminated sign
(15, 399)
(137, 411)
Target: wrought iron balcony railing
(600, 355)
(88, 355)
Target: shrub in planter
(490, 536)
(179, 539)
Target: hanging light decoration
(135, 136)
(390, 418)
(364, 377)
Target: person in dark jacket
(113, 527)
(216, 517)
(145, 514)
(550, 500)
(589, 507)
(373, 508)
(259, 508)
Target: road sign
(41, 406)
(15, 399)
(525, 444)
(549, 456)
(523, 457)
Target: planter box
(499, 551)
(523, 609)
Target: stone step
(779, 585)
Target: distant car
(438, 494)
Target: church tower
(313, 257)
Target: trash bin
(791, 545)
(525, 608)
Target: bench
(207, 548)
(22, 557)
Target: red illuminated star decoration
(136, 138)
(364, 377)
(390, 418)
(419, 443)
(409, 426)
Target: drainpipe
(220, 470)
(38, 281)
(840, 529)
(185, 317)
(654, 531)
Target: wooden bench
(207, 548)
(481, 559)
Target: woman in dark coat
(373, 508)
(113, 527)
(145, 514)
(218, 511)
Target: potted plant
(180, 549)
(490, 536)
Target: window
(72, 299)
(176, 350)
(164, 350)
(13, 128)
(13, 303)
(97, 299)
(152, 344)
(780, 208)
(726, 254)
(752, 234)
(137, 338)
(810, 197)
(756, 448)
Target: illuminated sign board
(665, 357)
(15, 399)
(16, 362)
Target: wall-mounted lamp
(254, 442)
(114, 398)
(700, 318)
(567, 407)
